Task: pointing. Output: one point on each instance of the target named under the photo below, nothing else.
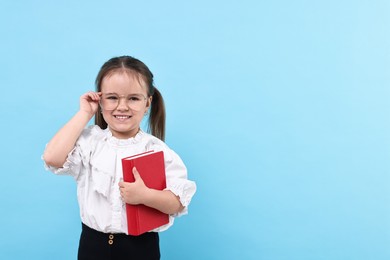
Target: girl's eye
(112, 97)
(134, 98)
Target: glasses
(135, 102)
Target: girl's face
(124, 102)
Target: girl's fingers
(93, 95)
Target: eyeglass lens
(111, 101)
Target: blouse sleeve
(177, 181)
(75, 158)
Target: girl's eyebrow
(113, 93)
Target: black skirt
(95, 245)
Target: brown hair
(156, 121)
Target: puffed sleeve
(79, 155)
(177, 181)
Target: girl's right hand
(89, 102)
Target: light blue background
(280, 110)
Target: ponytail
(156, 122)
(99, 120)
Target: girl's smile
(122, 117)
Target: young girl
(92, 155)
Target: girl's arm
(137, 193)
(164, 201)
(64, 140)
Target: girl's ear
(149, 102)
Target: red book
(151, 167)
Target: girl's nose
(122, 105)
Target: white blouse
(95, 163)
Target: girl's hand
(134, 192)
(89, 102)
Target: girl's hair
(156, 122)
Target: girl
(92, 155)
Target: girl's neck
(124, 135)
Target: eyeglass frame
(119, 98)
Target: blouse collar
(123, 142)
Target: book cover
(151, 167)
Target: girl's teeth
(121, 117)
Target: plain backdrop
(280, 110)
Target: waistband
(91, 230)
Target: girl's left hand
(134, 192)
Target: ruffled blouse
(95, 163)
